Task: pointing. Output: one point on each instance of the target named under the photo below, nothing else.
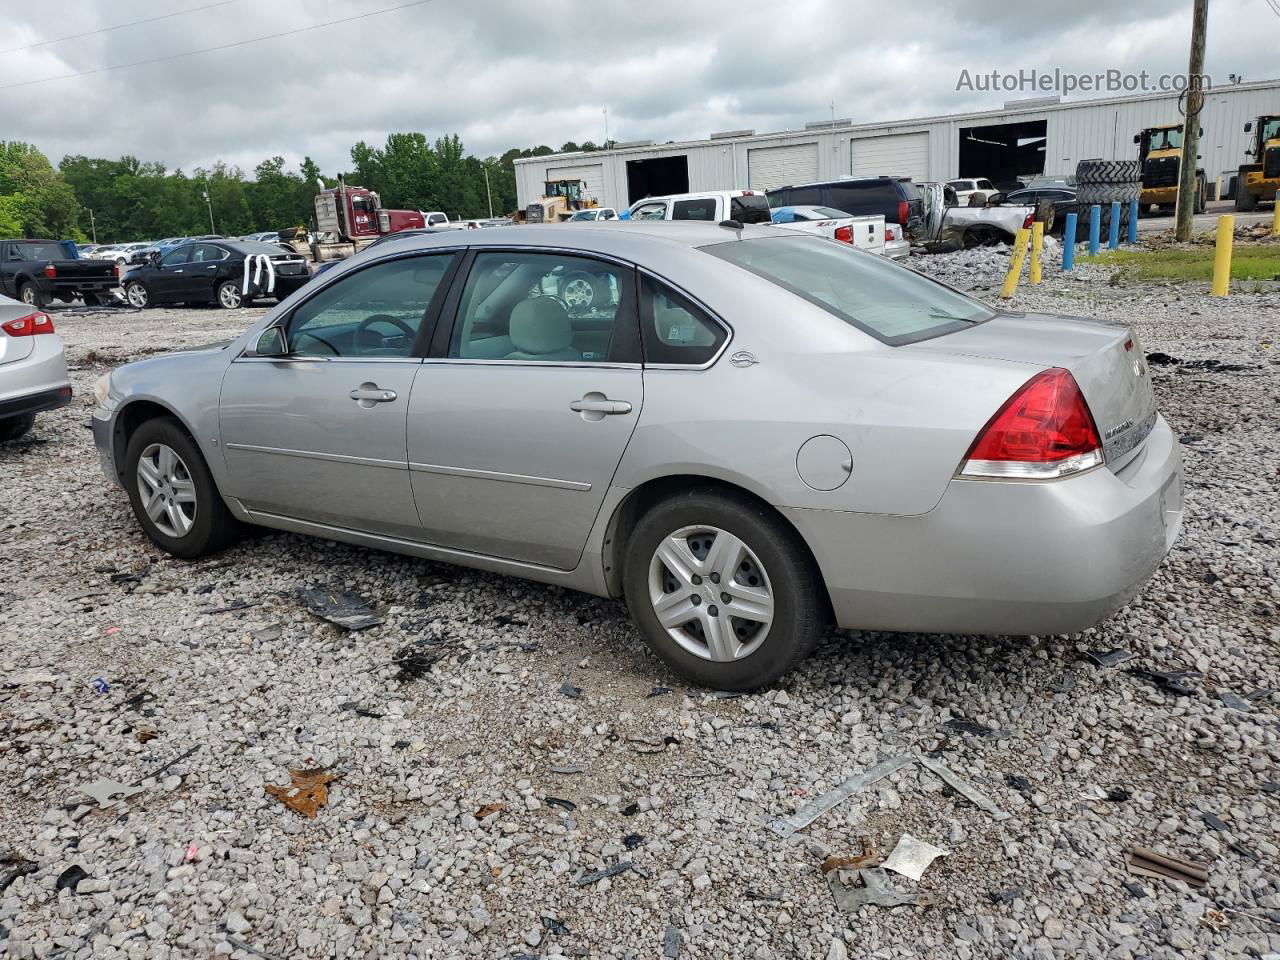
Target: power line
(120, 26)
(224, 46)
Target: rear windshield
(35, 250)
(751, 208)
(892, 303)
(257, 247)
(909, 190)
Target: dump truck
(1160, 157)
(348, 219)
(559, 201)
(1260, 179)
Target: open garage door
(657, 177)
(770, 167)
(893, 155)
(1003, 153)
(592, 173)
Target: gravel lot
(678, 783)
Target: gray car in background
(33, 371)
(744, 432)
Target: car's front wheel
(137, 294)
(723, 590)
(172, 492)
(11, 428)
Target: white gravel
(679, 784)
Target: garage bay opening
(1003, 152)
(657, 177)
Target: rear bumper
(35, 402)
(36, 382)
(897, 249)
(1014, 558)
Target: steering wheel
(364, 325)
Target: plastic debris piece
(1006, 896)
(415, 661)
(1108, 658)
(1118, 795)
(1134, 889)
(631, 809)
(1172, 682)
(137, 700)
(854, 889)
(786, 826)
(12, 867)
(622, 866)
(1212, 821)
(307, 792)
(241, 945)
(70, 877)
(1148, 863)
(1021, 784)
(963, 787)
(570, 691)
(632, 840)
(968, 726)
(346, 610)
(488, 810)
(1234, 701)
(100, 686)
(671, 943)
(568, 770)
(911, 857)
(1244, 851)
(560, 802)
(552, 925)
(193, 850)
(229, 608)
(658, 692)
(107, 792)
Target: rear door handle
(367, 394)
(590, 404)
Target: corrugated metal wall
(1076, 131)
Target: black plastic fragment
(968, 726)
(631, 809)
(69, 877)
(1134, 889)
(552, 925)
(1171, 682)
(1118, 795)
(1108, 658)
(570, 691)
(1006, 896)
(1213, 821)
(632, 840)
(560, 802)
(622, 866)
(1021, 784)
(343, 609)
(658, 692)
(1244, 851)
(670, 943)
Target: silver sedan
(746, 433)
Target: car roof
(623, 238)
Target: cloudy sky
(504, 73)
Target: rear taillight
(844, 234)
(1043, 432)
(115, 271)
(50, 270)
(29, 326)
(903, 212)
(1026, 223)
(892, 231)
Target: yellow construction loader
(1260, 179)
(559, 201)
(1160, 156)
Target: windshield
(365, 204)
(891, 303)
(1170, 139)
(1271, 129)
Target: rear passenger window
(749, 208)
(674, 329)
(694, 209)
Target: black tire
(1245, 201)
(137, 295)
(229, 297)
(1109, 192)
(800, 604)
(1108, 172)
(213, 526)
(983, 236)
(11, 428)
(30, 294)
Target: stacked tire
(1103, 182)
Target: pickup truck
(745, 206)
(37, 271)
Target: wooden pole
(1191, 123)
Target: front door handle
(596, 406)
(367, 394)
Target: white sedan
(865, 233)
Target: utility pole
(93, 226)
(606, 128)
(1193, 101)
(487, 192)
(212, 228)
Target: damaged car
(229, 273)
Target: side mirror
(1248, 126)
(1137, 138)
(271, 343)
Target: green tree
(42, 203)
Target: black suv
(896, 198)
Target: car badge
(743, 359)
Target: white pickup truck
(865, 233)
(745, 206)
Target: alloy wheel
(167, 490)
(229, 296)
(711, 593)
(29, 295)
(136, 294)
(577, 293)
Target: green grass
(1247, 263)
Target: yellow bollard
(1275, 217)
(1222, 255)
(1016, 260)
(1037, 246)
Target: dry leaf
(146, 734)
(860, 861)
(308, 792)
(488, 810)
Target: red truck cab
(355, 215)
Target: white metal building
(1026, 138)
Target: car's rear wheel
(172, 492)
(11, 428)
(722, 590)
(137, 294)
(229, 295)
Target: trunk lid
(289, 264)
(1106, 360)
(14, 348)
(83, 269)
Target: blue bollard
(1133, 220)
(1095, 228)
(1069, 242)
(1113, 235)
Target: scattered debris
(1118, 795)
(135, 576)
(241, 945)
(552, 925)
(642, 743)
(360, 711)
(568, 771)
(69, 878)
(229, 608)
(622, 866)
(857, 861)
(962, 787)
(671, 943)
(560, 802)
(632, 840)
(1234, 701)
(137, 700)
(1212, 821)
(1021, 784)
(16, 867)
(1148, 863)
(346, 610)
(570, 691)
(854, 889)
(1134, 889)
(307, 792)
(911, 857)
(145, 734)
(1244, 851)
(1108, 658)
(786, 826)
(106, 792)
(1171, 682)
(1214, 919)
(1006, 896)
(658, 692)
(631, 809)
(968, 726)
(100, 686)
